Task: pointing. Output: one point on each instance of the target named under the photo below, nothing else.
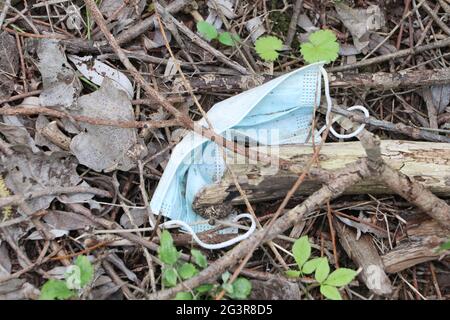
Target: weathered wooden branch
(426, 162)
(380, 80)
(364, 253)
(420, 244)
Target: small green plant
(209, 32)
(328, 282)
(444, 246)
(175, 271)
(77, 276)
(268, 47)
(322, 46)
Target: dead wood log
(419, 244)
(363, 252)
(380, 80)
(426, 162)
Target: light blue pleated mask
(284, 105)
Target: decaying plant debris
(94, 98)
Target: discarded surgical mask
(275, 113)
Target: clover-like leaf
(311, 265)
(199, 258)
(301, 250)
(322, 270)
(169, 277)
(242, 288)
(322, 46)
(330, 292)
(292, 273)
(55, 289)
(167, 251)
(86, 270)
(340, 277)
(187, 271)
(228, 39)
(207, 30)
(267, 47)
(184, 296)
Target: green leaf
(267, 47)
(86, 270)
(330, 292)
(204, 288)
(228, 287)
(311, 265)
(322, 270)
(301, 250)
(199, 258)
(167, 251)
(169, 277)
(207, 30)
(322, 46)
(55, 289)
(241, 288)
(228, 39)
(444, 246)
(73, 277)
(184, 296)
(187, 271)
(340, 277)
(293, 273)
(225, 276)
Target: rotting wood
(365, 256)
(380, 80)
(419, 245)
(426, 162)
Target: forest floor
(96, 94)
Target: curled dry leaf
(61, 85)
(27, 172)
(360, 22)
(104, 147)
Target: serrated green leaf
(322, 46)
(187, 271)
(55, 289)
(242, 288)
(267, 47)
(207, 30)
(184, 296)
(86, 270)
(292, 273)
(228, 39)
(330, 292)
(167, 251)
(340, 277)
(169, 277)
(322, 270)
(204, 288)
(199, 258)
(310, 266)
(301, 250)
(73, 277)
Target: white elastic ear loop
(215, 246)
(329, 106)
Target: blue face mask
(275, 113)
